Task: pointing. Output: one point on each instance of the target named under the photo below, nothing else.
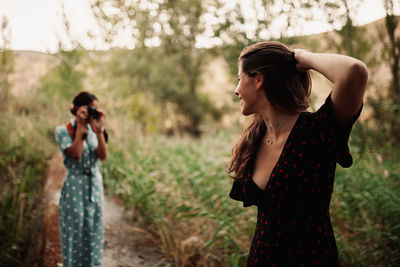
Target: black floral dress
(293, 222)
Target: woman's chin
(245, 112)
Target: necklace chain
(270, 141)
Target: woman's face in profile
(247, 92)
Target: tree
(393, 48)
(387, 108)
(65, 79)
(6, 62)
(169, 30)
(248, 22)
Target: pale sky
(35, 24)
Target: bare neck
(277, 122)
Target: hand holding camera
(96, 116)
(89, 114)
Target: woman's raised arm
(349, 76)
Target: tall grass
(366, 209)
(179, 189)
(25, 148)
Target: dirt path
(125, 245)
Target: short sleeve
(334, 135)
(62, 137)
(246, 191)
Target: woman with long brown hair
(285, 160)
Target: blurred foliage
(172, 70)
(6, 61)
(183, 199)
(368, 196)
(386, 103)
(133, 73)
(65, 79)
(25, 147)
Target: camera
(92, 112)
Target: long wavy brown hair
(286, 88)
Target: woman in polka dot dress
(285, 161)
(82, 142)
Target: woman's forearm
(76, 149)
(336, 68)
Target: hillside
(29, 67)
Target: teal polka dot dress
(81, 203)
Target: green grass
(366, 210)
(180, 189)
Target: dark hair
(81, 99)
(286, 88)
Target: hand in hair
(348, 75)
(300, 55)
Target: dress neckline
(295, 126)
